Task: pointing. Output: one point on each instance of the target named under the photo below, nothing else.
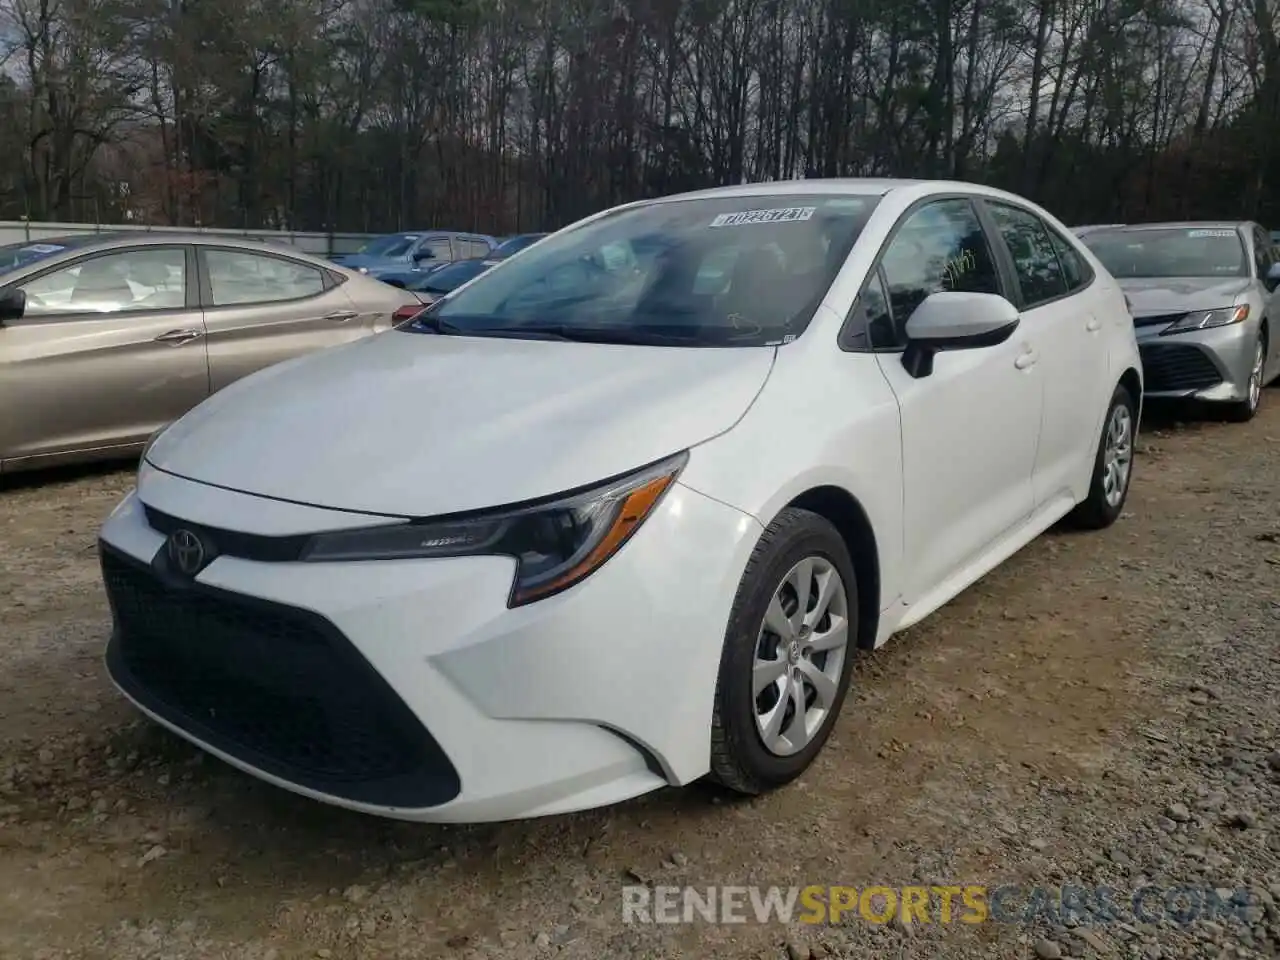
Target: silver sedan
(1203, 299)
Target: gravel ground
(1101, 710)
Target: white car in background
(596, 523)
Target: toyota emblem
(186, 551)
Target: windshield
(393, 246)
(448, 279)
(15, 255)
(722, 271)
(515, 245)
(1170, 252)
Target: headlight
(1206, 319)
(555, 544)
(152, 440)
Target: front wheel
(1246, 409)
(1112, 465)
(787, 655)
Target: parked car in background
(1203, 297)
(400, 255)
(105, 338)
(431, 287)
(1089, 228)
(513, 245)
(594, 524)
(447, 279)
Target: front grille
(276, 687)
(1177, 366)
(231, 543)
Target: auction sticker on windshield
(777, 215)
(1198, 234)
(42, 248)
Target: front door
(111, 347)
(969, 429)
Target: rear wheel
(787, 655)
(1246, 409)
(1112, 465)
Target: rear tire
(1112, 465)
(787, 657)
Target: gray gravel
(1102, 710)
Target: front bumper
(408, 688)
(1211, 365)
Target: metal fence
(320, 244)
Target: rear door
(471, 248)
(439, 248)
(111, 348)
(1059, 319)
(263, 307)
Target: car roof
(1185, 225)
(863, 186)
(77, 244)
(844, 186)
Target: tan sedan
(106, 338)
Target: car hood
(410, 424)
(1163, 295)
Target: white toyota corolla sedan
(617, 513)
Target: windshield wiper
(522, 332)
(433, 323)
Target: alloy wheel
(1117, 457)
(1255, 376)
(799, 656)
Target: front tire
(1246, 409)
(1112, 465)
(788, 653)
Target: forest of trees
(513, 115)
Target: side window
(874, 305)
(475, 248)
(1034, 259)
(1074, 267)
(237, 277)
(144, 278)
(940, 247)
(438, 247)
(1262, 252)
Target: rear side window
(240, 277)
(1075, 268)
(1035, 261)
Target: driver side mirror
(956, 321)
(13, 304)
(423, 254)
(1272, 279)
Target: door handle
(1026, 360)
(179, 337)
(342, 316)
(1093, 326)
